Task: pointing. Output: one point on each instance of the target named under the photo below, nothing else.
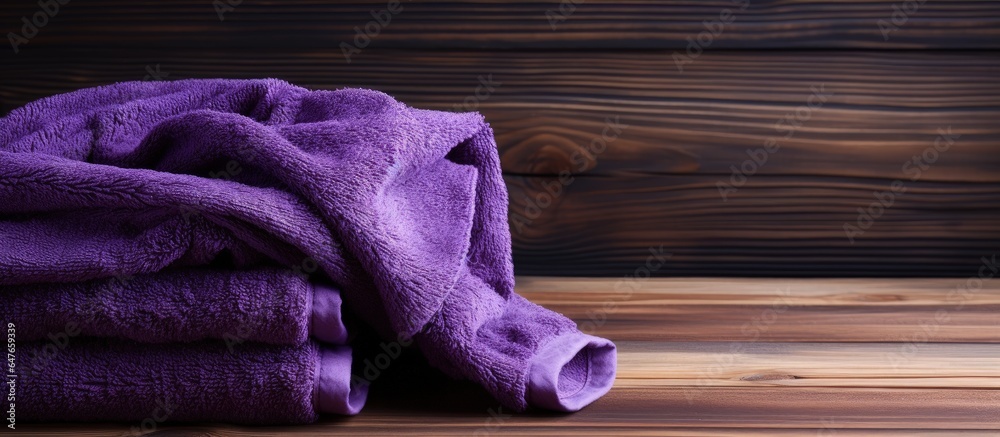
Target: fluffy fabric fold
(404, 210)
(117, 380)
(268, 305)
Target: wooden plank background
(641, 24)
(657, 183)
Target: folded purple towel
(403, 209)
(272, 306)
(117, 380)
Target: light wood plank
(809, 310)
(758, 364)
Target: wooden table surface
(735, 356)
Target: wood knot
(549, 153)
(768, 377)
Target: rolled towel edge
(571, 371)
(327, 323)
(335, 392)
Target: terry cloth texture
(118, 380)
(271, 306)
(403, 209)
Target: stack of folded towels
(188, 249)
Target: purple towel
(272, 306)
(403, 209)
(117, 380)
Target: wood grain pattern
(755, 364)
(796, 310)
(647, 24)
(772, 226)
(721, 382)
(548, 107)
(658, 182)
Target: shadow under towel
(404, 209)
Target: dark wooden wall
(558, 78)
